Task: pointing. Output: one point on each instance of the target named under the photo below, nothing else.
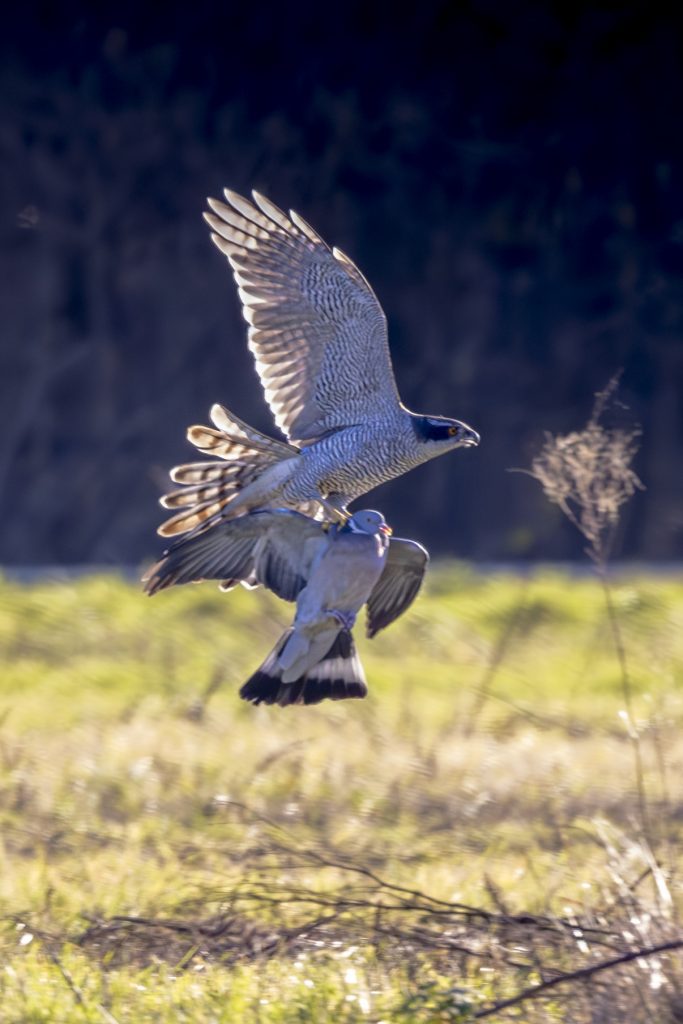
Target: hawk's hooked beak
(468, 437)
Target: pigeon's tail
(337, 676)
(208, 487)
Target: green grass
(253, 851)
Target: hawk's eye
(452, 430)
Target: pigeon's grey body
(339, 582)
(319, 338)
(331, 572)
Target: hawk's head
(444, 431)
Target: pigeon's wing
(398, 586)
(316, 329)
(215, 553)
(283, 559)
(274, 548)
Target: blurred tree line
(510, 183)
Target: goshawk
(319, 338)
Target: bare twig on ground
(268, 912)
(534, 991)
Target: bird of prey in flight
(319, 338)
(331, 571)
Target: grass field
(496, 817)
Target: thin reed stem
(628, 699)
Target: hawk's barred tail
(208, 487)
(338, 676)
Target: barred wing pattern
(316, 328)
(274, 547)
(399, 584)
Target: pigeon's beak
(386, 530)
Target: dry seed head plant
(588, 474)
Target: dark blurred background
(508, 177)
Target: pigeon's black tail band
(338, 676)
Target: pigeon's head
(368, 521)
(444, 432)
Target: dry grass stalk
(588, 474)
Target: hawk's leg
(335, 509)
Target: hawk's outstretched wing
(316, 329)
(274, 547)
(399, 584)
